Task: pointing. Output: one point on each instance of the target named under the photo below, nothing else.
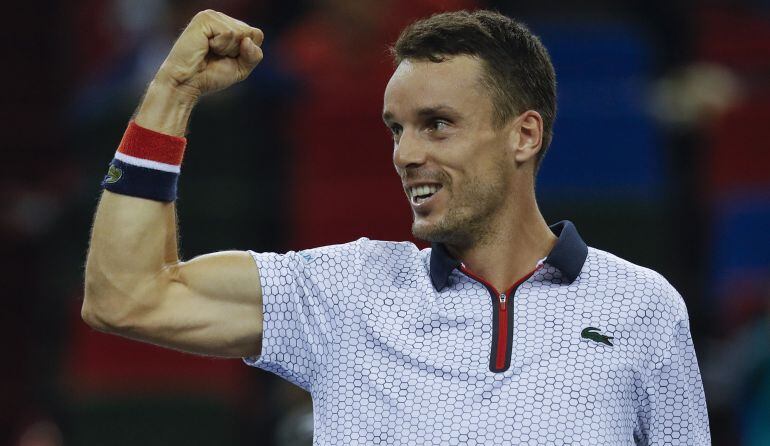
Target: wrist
(146, 164)
(166, 107)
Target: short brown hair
(518, 70)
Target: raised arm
(135, 283)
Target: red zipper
(502, 333)
(502, 313)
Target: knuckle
(224, 18)
(239, 22)
(205, 14)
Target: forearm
(134, 239)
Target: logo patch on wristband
(113, 174)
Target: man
(507, 331)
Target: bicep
(210, 305)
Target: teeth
(417, 191)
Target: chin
(423, 232)
(435, 232)
(454, 228)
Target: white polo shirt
(398, 345)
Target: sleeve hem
(256, 360)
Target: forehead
(455, 82)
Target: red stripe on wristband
(147, 144)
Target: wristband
(146, 164)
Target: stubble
(470, 212)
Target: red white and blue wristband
(146, 164)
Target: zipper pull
(503, 299)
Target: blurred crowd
(660, 155)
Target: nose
(409, 151)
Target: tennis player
(505, 331)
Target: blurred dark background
(661, 155)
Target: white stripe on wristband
(149, 164)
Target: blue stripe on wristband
(127, 179)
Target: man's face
(451, 158)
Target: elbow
(92, 317)
(104, 308)
(92, 311)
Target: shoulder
(640, 287)
(388, 252)
(362, 250)
(345, 257)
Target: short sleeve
(298, 309)
(673, 405)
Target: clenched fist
(212, 53)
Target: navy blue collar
(568, 256)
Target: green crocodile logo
(593, 334)
(113, 174)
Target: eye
(438, 124)
(395, 130)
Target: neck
(516, 241)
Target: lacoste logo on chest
(593, 334)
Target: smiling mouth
(420, 194)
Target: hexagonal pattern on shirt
(604, 359)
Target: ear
(526, 136)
